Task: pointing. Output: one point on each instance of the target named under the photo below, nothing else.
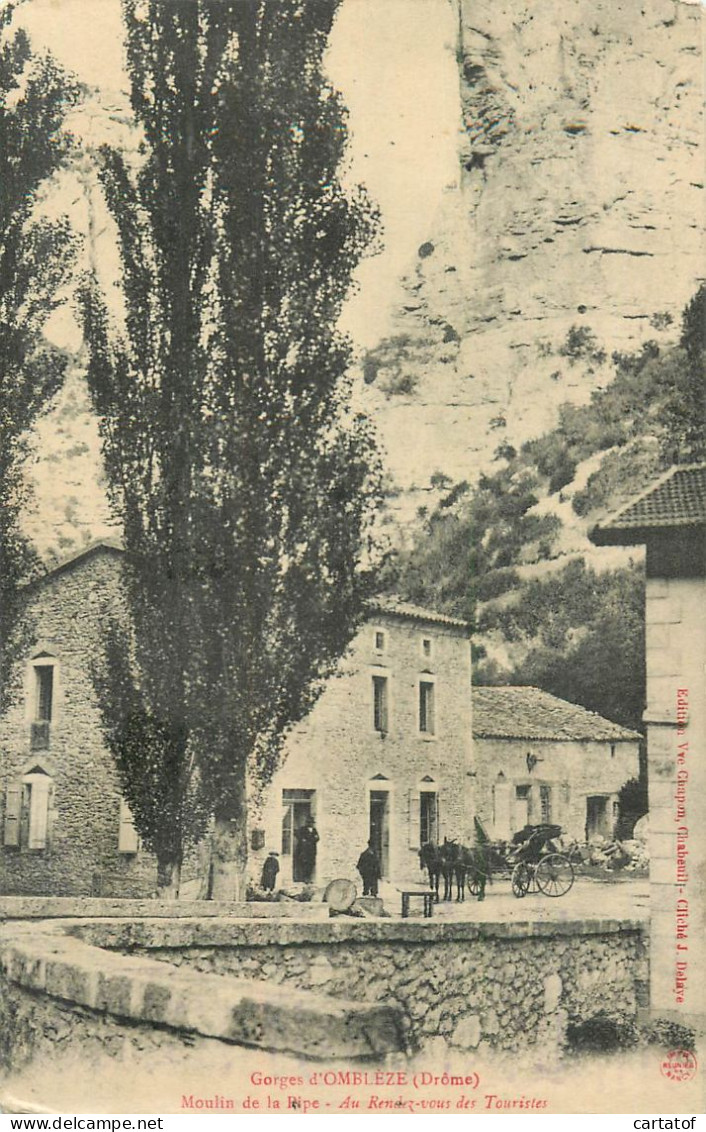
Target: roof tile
(529, 713)
(677, 499)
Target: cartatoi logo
(679, 1065)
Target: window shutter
(128, 840)
(13, 810)
(38, 812)
(412, 824)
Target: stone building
(669, 518)
(384, 754)
(64, 826)
(537, 758)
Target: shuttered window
(38, 810)
(27, 809)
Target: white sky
(393, 60)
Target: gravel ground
(588, 899)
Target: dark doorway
(299, 806)
(597, 820)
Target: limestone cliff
(575, 229)
(579, 205)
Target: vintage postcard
(353, 496)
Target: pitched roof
(676, 500)
(395, 607)
(529, 713)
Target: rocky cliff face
(576, 228)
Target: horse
(473, 866)
(457, 864)
(430, 859)
(450, 858)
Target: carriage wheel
(473, 882)
(554, 875)
(521, 879)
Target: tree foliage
(574, 632)
(585, 639)
(36, 256)
(685, 410)
(244, 483)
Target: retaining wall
(60, 993)
(488, 987)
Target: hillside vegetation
(495, 553)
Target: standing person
(369, 869)
(270, 870)
(307, 840)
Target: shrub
(602, 1033)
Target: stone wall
(59, 992)
(495, 988)
(571, 770)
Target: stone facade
(669, 518)
(60, 804)
(385, 753)
(572, 784)
(676, 726)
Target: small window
(426, 647)
(427, 722)
(380, 641)
(27, 811)
(522, 791)
(380, 704)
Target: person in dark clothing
(369, 869)
(307, 840)
(270, 870)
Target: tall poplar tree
(36, 257)
(245, 484)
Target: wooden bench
(427, 897)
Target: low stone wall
(59, 992)
(485, 987)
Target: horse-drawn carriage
(537, 864)
(533, 862)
